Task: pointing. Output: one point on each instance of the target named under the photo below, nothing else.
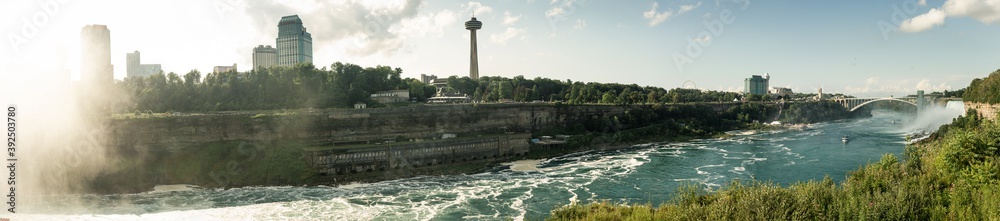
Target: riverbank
(951, 176)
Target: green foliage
(680, 95)
(812, 112)
(751, 112)
(984, 90)
(299, 86)
(954, 176)
(343, 85)
(956, 93)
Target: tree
(608, 97)
(506, 92)
(417, 90)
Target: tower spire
(472, 26)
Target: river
(647, 173)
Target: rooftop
(290, 19)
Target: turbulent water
(648, 173)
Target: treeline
(343, 85)
(300, 86)
(812, 112)
(520, 89)
(984, 90)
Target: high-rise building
(95, 56)
(96, 73)
(132, 64)
(756, 84)
(264, 57)
(150, 69)
(473, 25)
(294, 43)
(134, 68)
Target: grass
(953, 177)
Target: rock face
(988, 111)
(323, 146)
(343, 126)
(234, 149)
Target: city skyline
(879, 48)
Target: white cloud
(427, 24)
(871, 81)
(580, 24)
(985, 11)
(922, 3)
(553, 12)
(876, 87)
(687, 8)
(509, 19)
(510, 33)
(923, 22)
(559, 9)
(478, 8)
(738, 89)
(655, 17)
(365, 23)
(927, 86)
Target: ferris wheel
(689, 85)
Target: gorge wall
(988, 111)
(306, 147)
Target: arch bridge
(853, 104)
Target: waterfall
(932, 117)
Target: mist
(932, 117)
(63, 132)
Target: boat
(845, 139)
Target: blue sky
(866, 48)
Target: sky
(858, 47)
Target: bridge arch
(882, 99)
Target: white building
(782, 92)
(220, 69)
(391, 96)
(264, 57)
